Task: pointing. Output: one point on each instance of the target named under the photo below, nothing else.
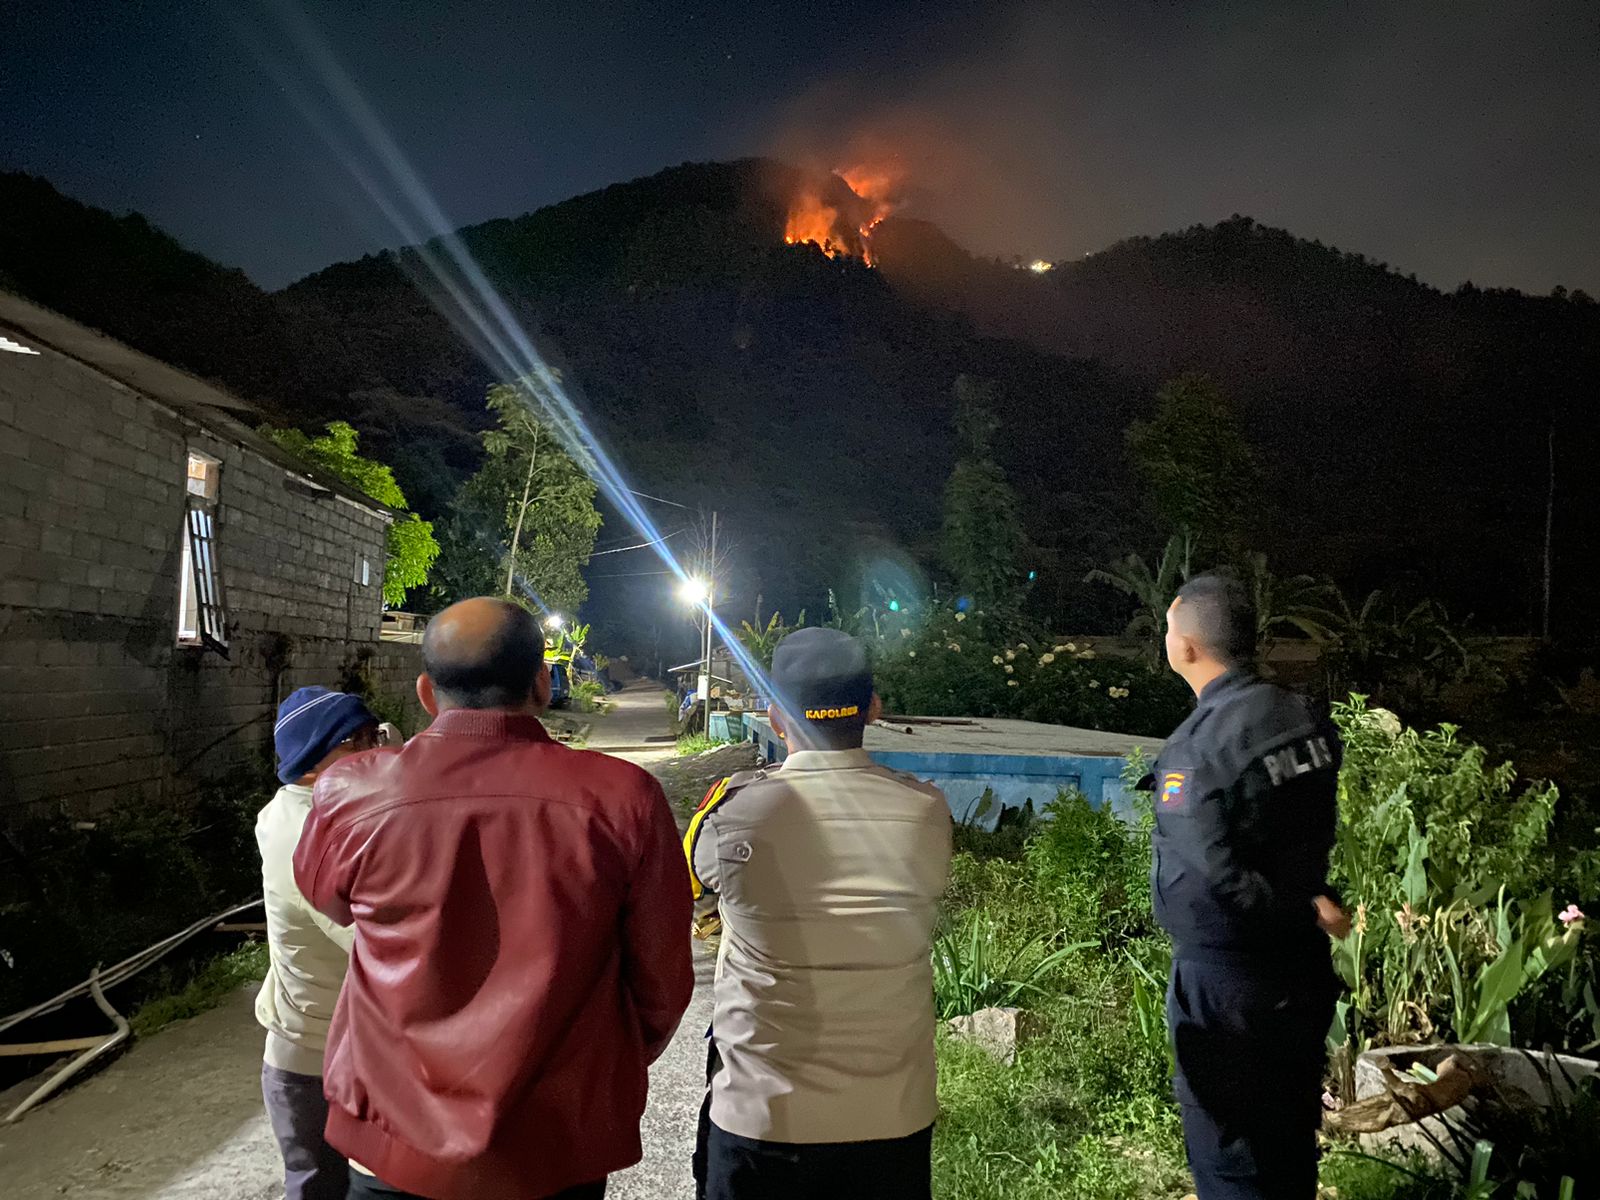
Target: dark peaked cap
(822, 675)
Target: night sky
(1456, 140)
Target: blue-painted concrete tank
(1015, 761)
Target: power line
(639, 546)
(631, 574)
(657, 499)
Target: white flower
(956, 646)
(905, 633)
(1059, 649)
(961, 616)
(1010, 670)
(997, 660)
(1022, 645)
(1047, 657)
(1071, 647)
(1011, 683)
(911, 654)
(1010, 654)
(1094, 683)
(1089, 653)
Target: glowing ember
(835, 233)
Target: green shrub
(977, 965)
(1449, 872)
(589, 696)
(75, 893)
(205, 989)
(1094, 869)
(953, 664)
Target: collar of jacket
(826, 760)
(493, 723)
(1223, 684)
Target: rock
(996, 1031)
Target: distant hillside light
(1038, 266)
(15, 347)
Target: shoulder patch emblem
(1174, 788)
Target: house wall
(98, 704)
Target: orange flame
(822, 225)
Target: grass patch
(208, 987)
(699, 743)
(1086, 1112)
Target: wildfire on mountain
(845, 228)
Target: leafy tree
(412, 547)
(983, 540)
(762, 640)
(1296, 602)
(1152, 590)
(1200, 472)
(524, 526)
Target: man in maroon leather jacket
(521, 950)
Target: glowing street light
(695, 591)
(554, 621)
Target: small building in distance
(167, 575)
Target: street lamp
(554, 621)
(697, 592)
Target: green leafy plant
(975, 966)
(762, 640)
(412, 547)
(208, 987)
(588, 696)
(1149, 1000)
(1151, 589)
(1447, 868)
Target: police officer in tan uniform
(829, 871)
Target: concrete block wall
(392, 672)
(98, 704)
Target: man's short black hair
(1220, 614)
(495, 671)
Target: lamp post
(701, 592)
(697, 592)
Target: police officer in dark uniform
(1245, 807)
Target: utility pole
(711, 599)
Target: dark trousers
(366, 1187)
(741, 1168)
(312, 1169)
(1251, 1047)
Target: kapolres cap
(822, 675)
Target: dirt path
(179, 1117)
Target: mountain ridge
(689, 323)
